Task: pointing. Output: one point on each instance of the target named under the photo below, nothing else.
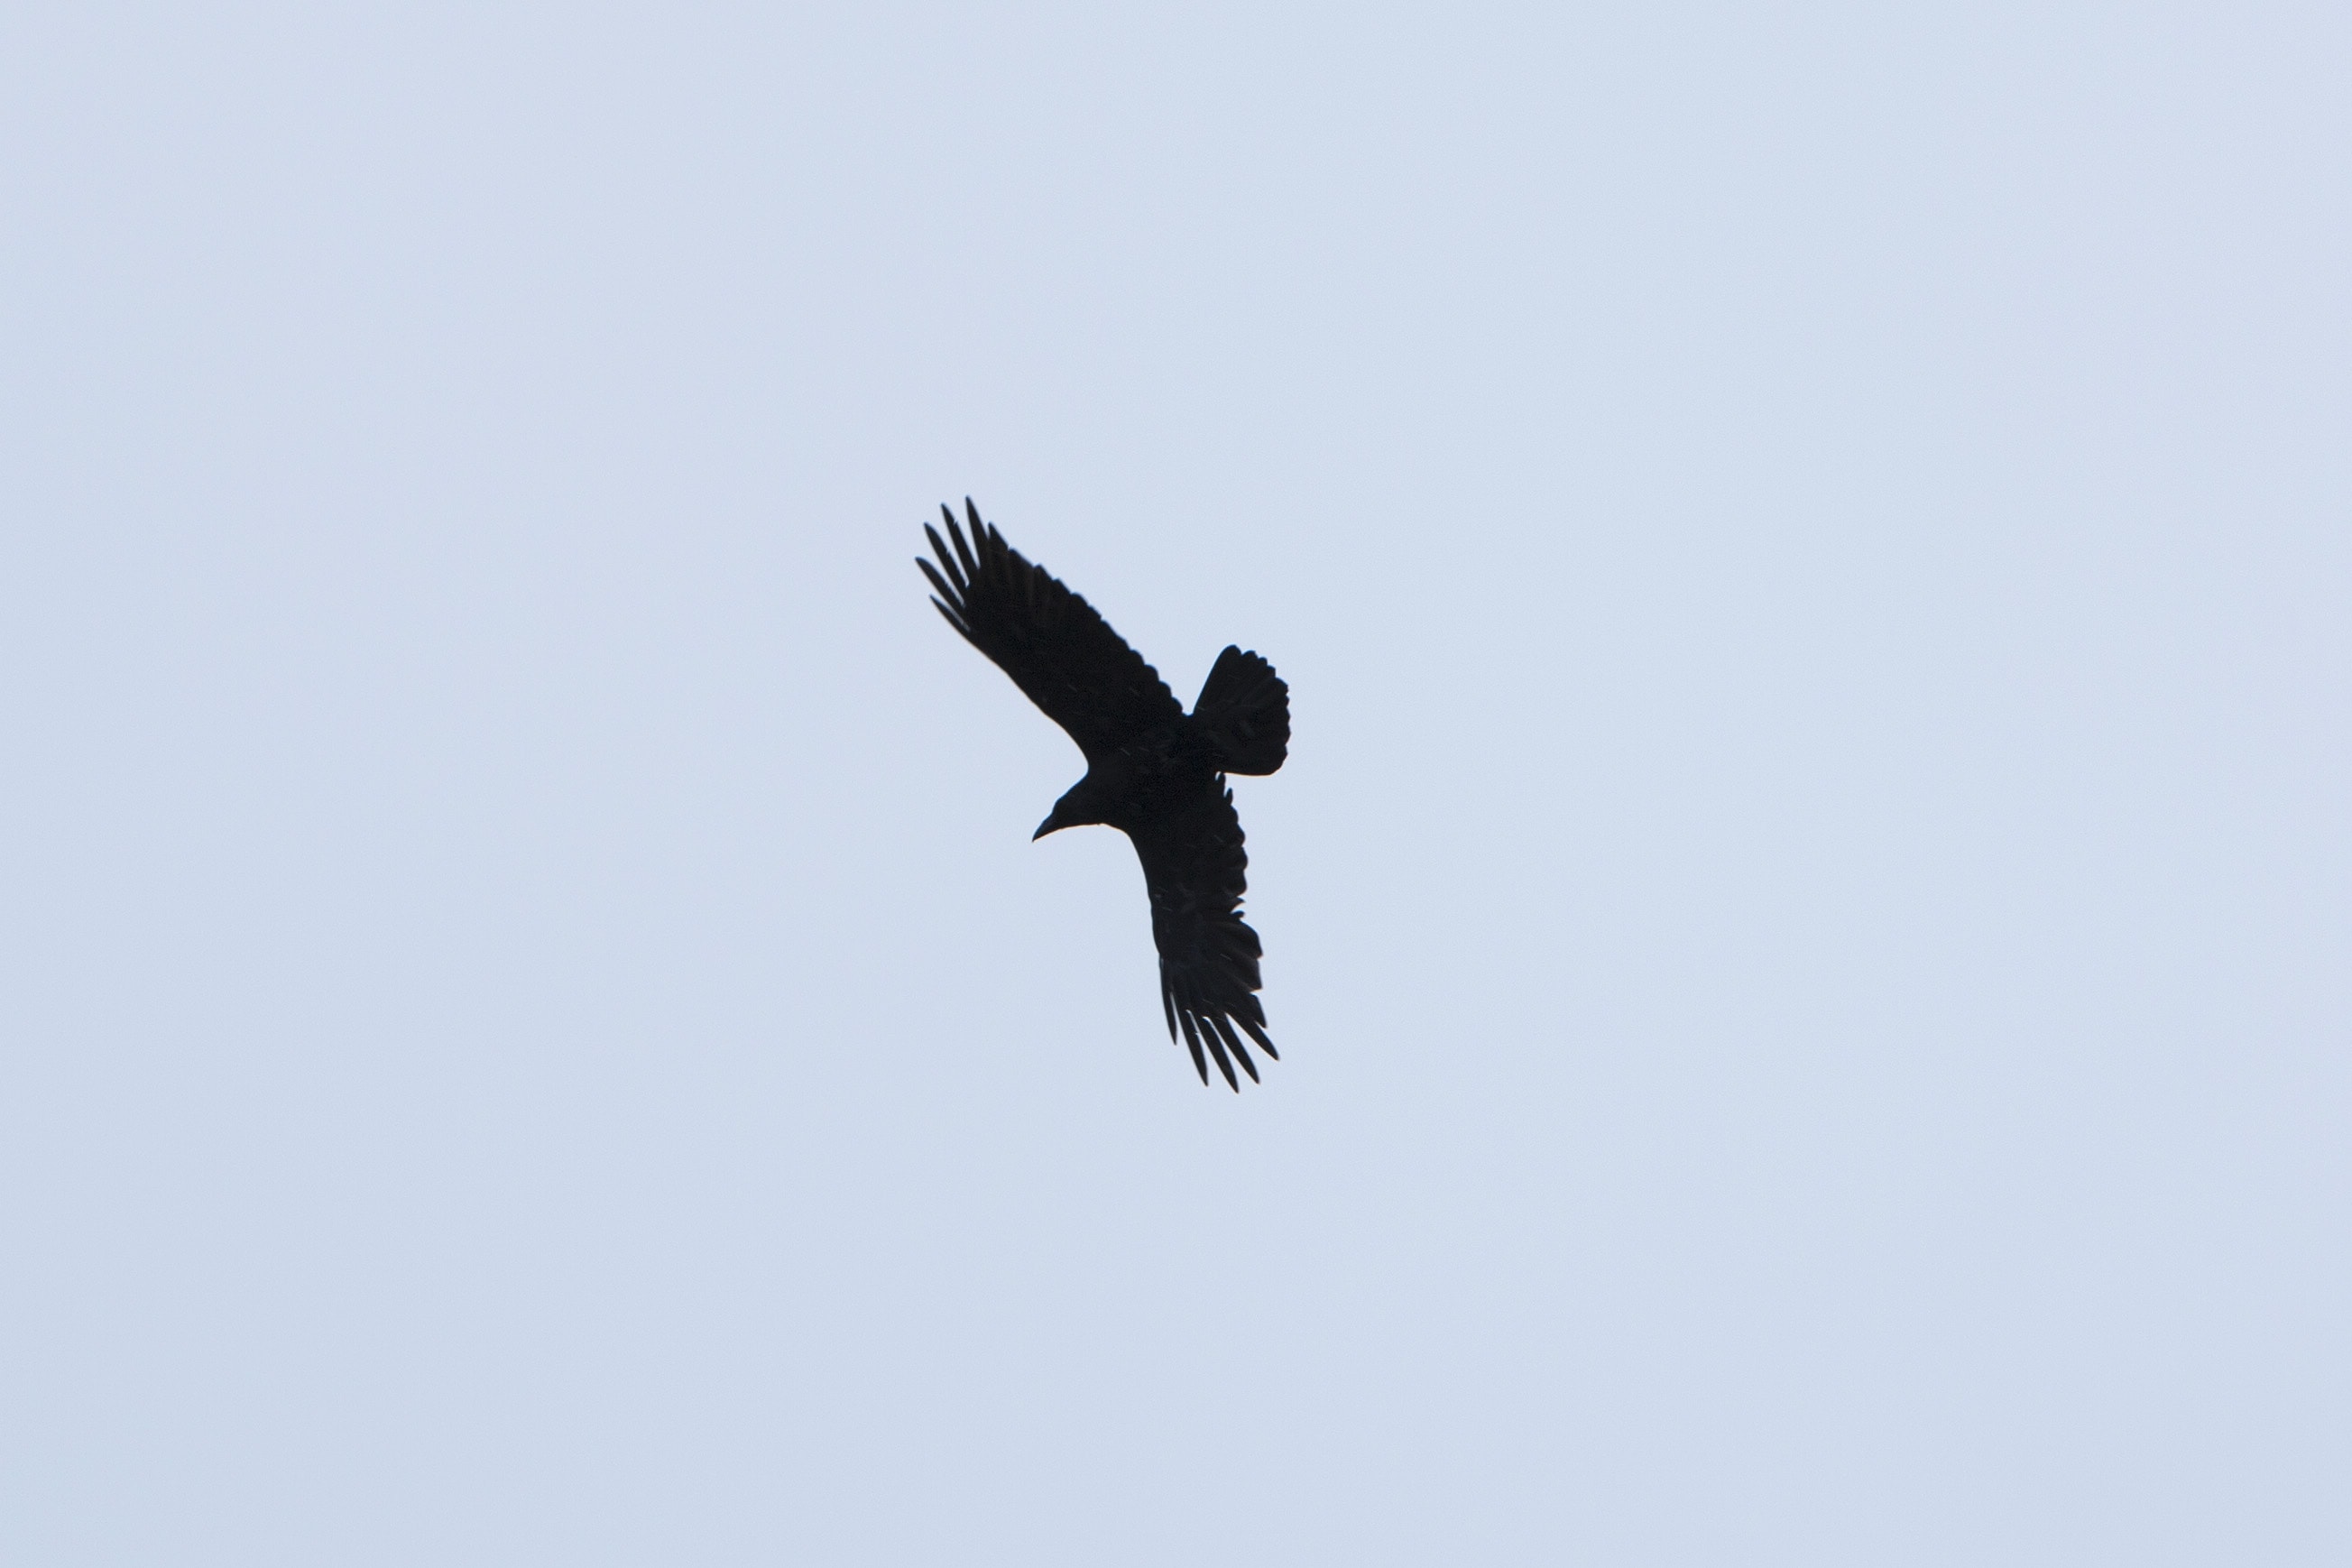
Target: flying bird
(1153, 771)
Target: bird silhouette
(1154, 772)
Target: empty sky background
(1808, 916)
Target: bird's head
(1074, 809)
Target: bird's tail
(1244, 708)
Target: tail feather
(1244, 708)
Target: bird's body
(1153, 771)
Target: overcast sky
(1809, 917)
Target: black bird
(1153, 771)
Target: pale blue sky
(1809, 917)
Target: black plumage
(1153, 771)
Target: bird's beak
(1044, 828)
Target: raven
(1153, 771)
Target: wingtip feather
(947, 560)
(939, 582)
(971, 561)
(1241, 1052)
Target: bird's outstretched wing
(1192, 865)
(1049, 640)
